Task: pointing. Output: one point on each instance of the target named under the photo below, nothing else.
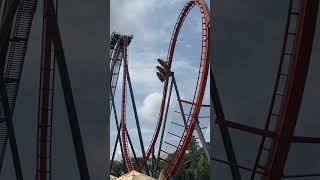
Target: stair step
(18, 39)
(294, 13)
(11, 80)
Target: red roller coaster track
(196, 103)
(300, 30)
(200, 89)
(123, 106)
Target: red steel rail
(297, 55)
(202, 78)
(45, 107)
(123, 106)
(200, 89)
(290, 105)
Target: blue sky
(151, 23)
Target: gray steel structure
(14, 34)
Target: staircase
(15, 58)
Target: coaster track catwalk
(14, 35)
(119, 49)
(119, 44)
(13, 50)
(278, 133)
(119, 52)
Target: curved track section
(200, 88)
(115, 67)
(281, 78)
(119, 49)
(123, 106)
(116, 59)
(116, 55)
(299, 56)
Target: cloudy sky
(247, 43)
(151, 23)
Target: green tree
(198, 167)
(116, 169)
(203, 168)
(195, 165)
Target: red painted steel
(46, 87)
(236, 165)
(201, 83)
(294, 89)
(163, 63)
(202, 79)
(246, 128)
(276, 86)
(162, 71)
(160, 76)
(290, 96)
(123, 106)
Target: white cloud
(147, 131)
(150, 107)
(186, 64)
(152, 22)
(143, 69)
(188, 46)
(113, 132)
(135, 17)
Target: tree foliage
(195, 165)
(116, 168)
(195, 170)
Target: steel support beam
(7, 22)
(248, 129)
(137, 120)
(4, 45)
(115, 148)
(178, 97)
(304, 139)
(223, 129)
(211, 152)
(5, 29)
(10, 129)
(69, 101)
(132, 148)
(163, 129)
(237, 165)
(197, 127)
(203, 141)
(118, 135)
(301, 175)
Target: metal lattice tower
(14, 35)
